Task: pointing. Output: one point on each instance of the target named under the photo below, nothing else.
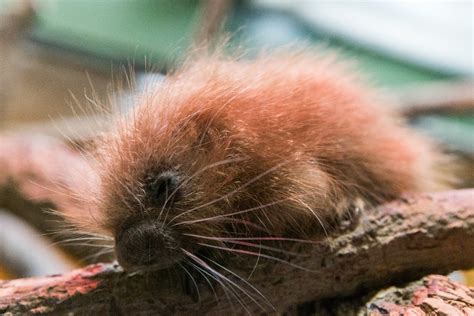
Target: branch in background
(211, 20)
(398, 242)
(439, 97)
(14, 24)
(16, 21)
(433, 295)
(31, 169)
(25, 252)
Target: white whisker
(246, 252)
(230, 193)
(194, 282)
(245, 281)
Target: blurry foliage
(141, 31)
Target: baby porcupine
(272, 147)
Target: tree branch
(396, 243)
(439, 97)
(433, 295)
(34, 170)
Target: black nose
(146, 245)
(162, 189)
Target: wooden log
(430, 296)
(433, 295)
(397, 242)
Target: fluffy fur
(276, 146)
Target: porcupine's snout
(147, 245)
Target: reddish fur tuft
(306, 141)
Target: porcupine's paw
(349, 214)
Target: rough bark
(396, 243)
(433, 295)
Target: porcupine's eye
(163, 189)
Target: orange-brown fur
(316, 141)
